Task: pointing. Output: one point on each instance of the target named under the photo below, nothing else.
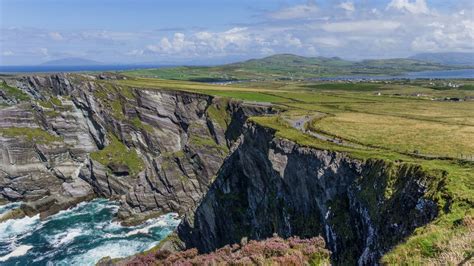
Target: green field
(405, 118)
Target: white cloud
(205, 42)
(327, 41)
(237, 40)
(290, 40)
(415, 7)
(7, 53)
(56, 36)
(135, 52)
(219, 42)
(348, 6)
(267, 51)
(43, 51)
(457, 36)
(178, 44)
(341, 29)
(295, 12)
(369, 26)
(110, 36)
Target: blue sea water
(441, 74)
(445, 74)
(45, 68)
(78, 236)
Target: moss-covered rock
(12, 214)
(33, 135)
(11, 93)
(117, 155)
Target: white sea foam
(113, 226)
(83, 208)
(145, 230)
(9, 206)
(17, 227)
(104, 237)
(66, 237)
(17, 252)
(71, 211)
(169, 219)
(113, 249)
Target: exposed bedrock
(270, 185)
(180, 140)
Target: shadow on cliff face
(269, 185)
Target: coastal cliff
(271, 185)
(81, 136)
(69, 138)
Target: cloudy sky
(216, 31)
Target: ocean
(81, 235)
(95, 68)
(441, 74)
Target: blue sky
(215, 31)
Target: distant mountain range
(453, 58)
(460, 59)
(289, 66)
(72, 61)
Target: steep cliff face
(271, 185)
(81, 136)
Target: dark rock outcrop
(270, 185)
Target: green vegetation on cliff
(113, 97)
(136, 122)
(218, 112)
(50, 103)
(207, 143)
(33, 135)
(116, 153)
(13, 92)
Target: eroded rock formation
(270, 185)
(180, 139)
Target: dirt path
(300, 123)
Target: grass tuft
(13, 92)
(34, 135)
(117, 153)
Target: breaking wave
(78, 236)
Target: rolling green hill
(459, 59)
(288, 66)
